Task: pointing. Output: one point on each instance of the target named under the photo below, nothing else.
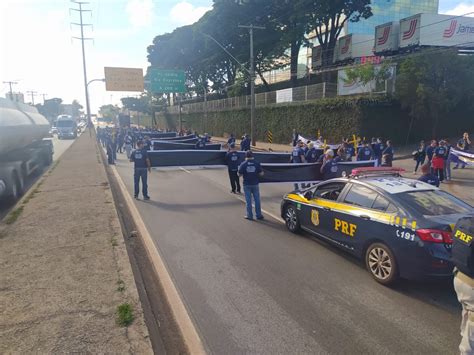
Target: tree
(432, 84)
(291, 20)
(109, 112)
(369, 73)
(139, 104)
(326, 18)
(76, 108)
(51, 108)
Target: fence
(298, 94)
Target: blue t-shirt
(365, 153)
(463, 143)
(128, 140)
(250, 169)
(349, 152)
(201, 144)
(139, 157)
(245, 145)
(441, 152)
(232, 160)
(312, 155)
(430, 179)
(231, 140)
(296, 155)
(329, 169)
(388, 151)
(429, 152)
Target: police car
(401, 227)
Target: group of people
(117, 140)
(439, 159)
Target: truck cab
(66, 126)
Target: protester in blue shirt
(251, 170)
(201, 143)
(430, 150)
(439, 160)
(245, 143)
(312, 154)
(147, 143)
(232, 160)
(231, 139)
(364, 153)
(142, 167)
(419, 156)
(329, 168)
(297, 155)
(350, 151)
(463, 144)
(427, 176)
(387, 154)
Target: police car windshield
(435, 203)
(65, 123)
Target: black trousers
(234, 181)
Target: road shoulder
(65, 267)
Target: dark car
(401, 227)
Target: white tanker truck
(24, 147)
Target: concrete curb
(188, 331)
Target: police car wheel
(381, 263)
(292, 221)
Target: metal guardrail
(300, 94)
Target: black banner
(166, 158)
(158, 135)
(185, 141)
(161, 145)
(305, 172)
(178, 138)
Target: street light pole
(252, 82)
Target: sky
(37, 48)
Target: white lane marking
(178, 308)
(185, 170)
(278, 219)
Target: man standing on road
(463, 144)
(245, 143)
(251, 170)
(142, 167)
(329, 167)
(297, 156)
(128, 144)
(232, 160)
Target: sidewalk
(64, 265)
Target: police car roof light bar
(376, 171)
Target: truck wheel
(381, 264)
(16, 189)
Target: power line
(11, 83)
(33, 94)
(81, 24)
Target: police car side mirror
(308, 195)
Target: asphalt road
(252, 287)
(60, 146)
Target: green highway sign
(166, 81)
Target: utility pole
(11, 83)
(83, 39)
(32, 93)
(44, 97)
(252, 82)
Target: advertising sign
(285, 95)
(124, 79)
(387, 37)
(166, 81)
(353, 87)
